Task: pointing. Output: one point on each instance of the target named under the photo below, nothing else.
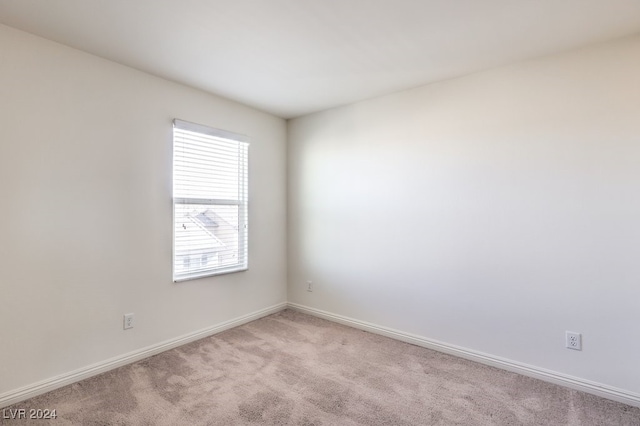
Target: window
(209, 201)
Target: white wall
(86, 217)
(492, 212)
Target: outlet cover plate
(574, 340)
(128, 321)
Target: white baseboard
(576, 383)
(605, 391)
(26, 392)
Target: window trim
(242, 202)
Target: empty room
(320, 212)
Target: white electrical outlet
(309, 286)
(128, 321)
(574, 340)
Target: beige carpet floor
(294, 369)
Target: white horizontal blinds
(210, 169)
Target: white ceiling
(293, 57)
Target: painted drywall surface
(86, 218)
(492, 212)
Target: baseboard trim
(571, 382)
(29, 391)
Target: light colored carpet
(291, 368)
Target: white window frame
(241, 201)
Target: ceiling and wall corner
(293, 57)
